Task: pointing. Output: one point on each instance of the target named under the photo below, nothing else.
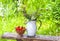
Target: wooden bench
(25, 38)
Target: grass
(10, 17)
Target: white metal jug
(31, 28)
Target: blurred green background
(11, 15)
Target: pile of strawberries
(20, 30)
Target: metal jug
(31, 28)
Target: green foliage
(48, 11)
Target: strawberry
(20, 30)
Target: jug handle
(40, 24)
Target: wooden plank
(29, 39)
(37, 37)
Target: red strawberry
(18, 28)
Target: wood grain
(36, 38)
